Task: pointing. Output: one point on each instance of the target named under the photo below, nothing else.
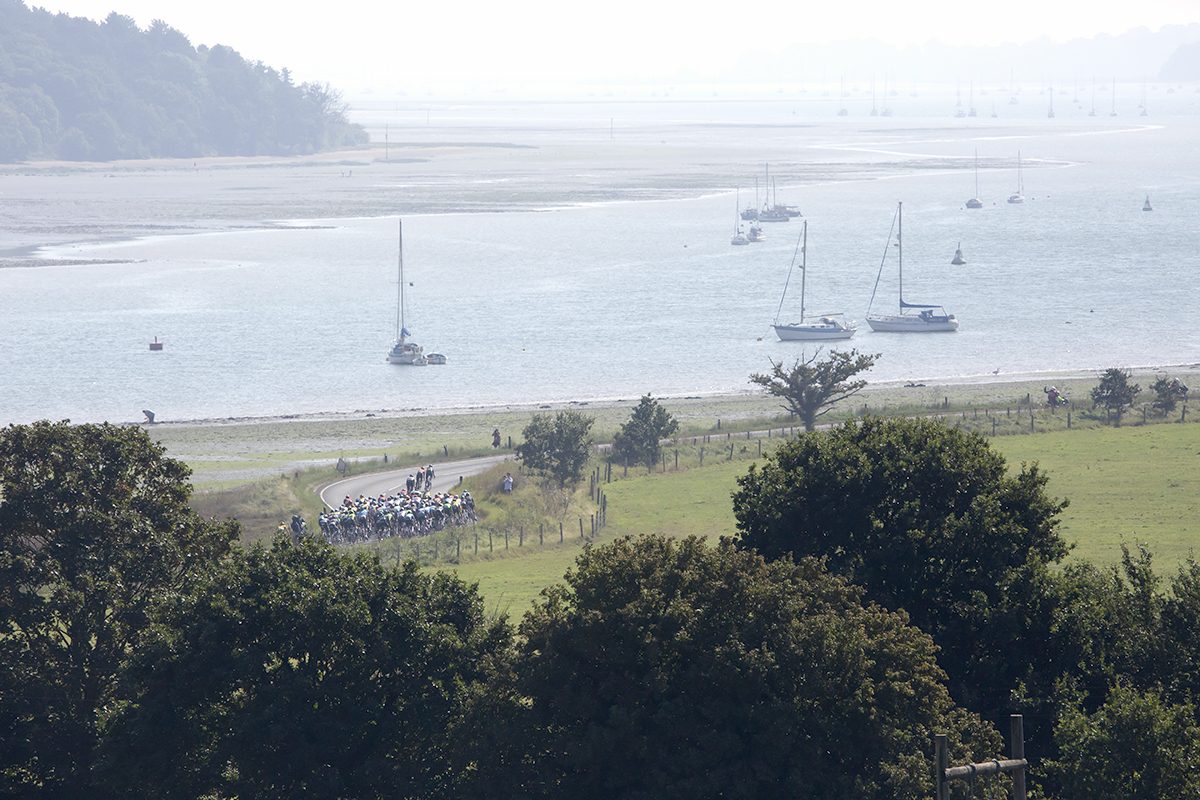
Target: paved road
(447, 475)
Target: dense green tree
(672, 669)
(1115, 393)
(1137, 746)
(920, 514)
(1167, 394)
(94, 528)
(301, 672)
(557, 446)
(639, 440)
(926, 519)
(811, 387)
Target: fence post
(1017, 732)
(941, 762)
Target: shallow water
(615, 299)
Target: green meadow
(1129, 484)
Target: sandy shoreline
(233, 450)
(981, 389)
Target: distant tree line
(78, 90)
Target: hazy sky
(360, 44)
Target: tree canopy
(639, 440)
(94, 529)
(300, 671)
(926, 520)
(1115, 393)
(672, 669)
(77, 90)
(557, 446)
(811, 387)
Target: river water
(595, 292)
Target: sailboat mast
(400, 288)
(803, 270)
(900, 241)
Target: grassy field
(1133, 483)
(1127, 484)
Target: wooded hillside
(78, 90)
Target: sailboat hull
(913, 323)
(813, 333)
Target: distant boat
(157, 345)
(971, 100)
(1113, 113)
(1051, 113)
(828, 327)
(975, 202)
(1019, 195)
(775, 212)
(887, 112)
(435, 358)
(958, 259)
(756, 233)
(925, 321)
(874, 111)
(1146, 207)
(739, 237)
(842, 99)
(1092, 113)
(404, 352)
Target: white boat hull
(813, 332)
(913, 323)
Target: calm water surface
(625, 298)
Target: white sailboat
(1019, 195)
(827, 326)
(739, 238)
(404, 352)
(925, 320)
(975, 202)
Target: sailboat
(874, 111)
(971, 100)
(975, 202)
(1092, 113)
(775, 212)
(1019, 195)
(842, 99)
(1051, 114)
(404, 352)
(887, 112)
(1113, 113)
(1147, 206)
(828, 327)
(925, 321)
(958, 259)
